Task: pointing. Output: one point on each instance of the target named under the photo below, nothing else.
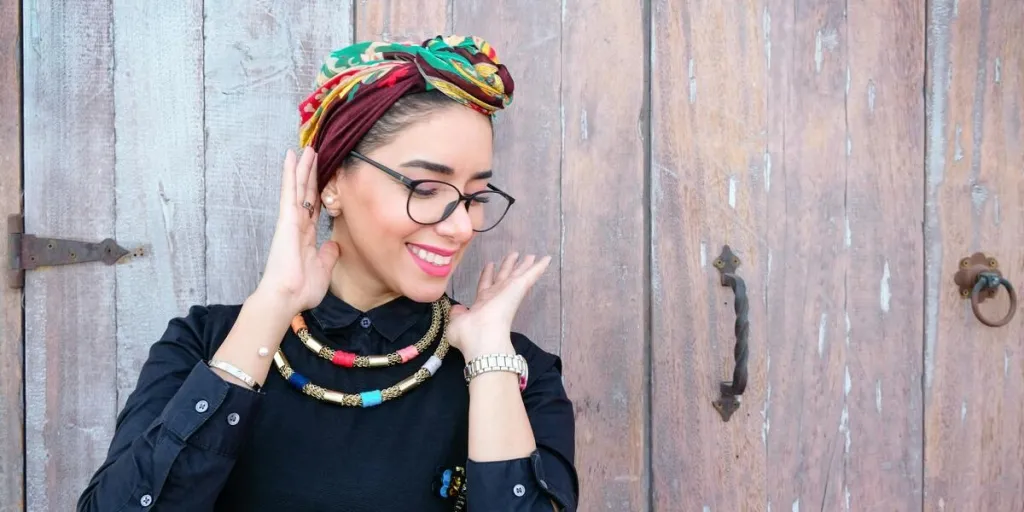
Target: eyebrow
(444, 169)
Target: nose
(458, 226)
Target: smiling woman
(398, 152)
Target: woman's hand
(485, 327)
(297, 274)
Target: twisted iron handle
(731, 391)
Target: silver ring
(308, 206)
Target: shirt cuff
(511, 485)
(210, 413)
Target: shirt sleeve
(176, 440)
(547, 478)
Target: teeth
(429, 257)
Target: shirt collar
(390, 319)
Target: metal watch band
(514, 363)
(235, 372)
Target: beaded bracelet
(235, 372)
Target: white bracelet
(235, 372)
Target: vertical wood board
(71, 352)
(158, 88)
(975, 375)
(709, 187)
(12, 393)
(402, 20)
(527, 156)
(603, 253)
(260, 60)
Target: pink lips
(430, 268)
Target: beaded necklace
(350, 360)
(377, 396)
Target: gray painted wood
(260, 61)
(158, 86)
(71, 346)
(12, 413)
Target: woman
(348, 380)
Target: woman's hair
(405, 112)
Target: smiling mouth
(434, 259)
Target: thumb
(329, 253)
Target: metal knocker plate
(979, 279)
(731, 391)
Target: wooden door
(850, 153)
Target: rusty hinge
(28, 252)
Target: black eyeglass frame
(411, 184)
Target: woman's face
(386, 253)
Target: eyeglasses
(433, 201)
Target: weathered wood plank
(261, 60)
(603, 257)
(974, 375)
(402, 20)
(159, 158)
(882, 398)
(527, 154)
(12, 393)
(71, 348)
(709, 187)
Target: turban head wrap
(358, 83)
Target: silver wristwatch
(514, 363)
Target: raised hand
(485, 327)
(298, 273)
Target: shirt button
(233, 419)
(365, 322)
(519, 490)
(202, 406)
(146, 500)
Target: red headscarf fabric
(358, 83)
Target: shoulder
(203, 327)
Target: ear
(330, 197)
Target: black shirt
(188, 440)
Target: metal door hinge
(28, 252)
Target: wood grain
(709, 184)
(527, 37)
(261, 59)
(159, 155)
(12, 393)
(71, 347)
(883, 363)
(975, 376)
(603, 253)
(402, 20)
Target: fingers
(328, 254)
(288, 181)
(312, 187)
(486, 278)
(524, 265)
(302, 172)
(507, 265)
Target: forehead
(456, 136)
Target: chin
(426, 292)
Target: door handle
(979, 278)
(732, 391)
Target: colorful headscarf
(358, 83)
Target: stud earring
(329, 200)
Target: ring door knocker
(732, 391)
(979, 278)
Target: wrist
(270, 306)
(488, 345)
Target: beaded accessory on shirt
(377, 396)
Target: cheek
(381, 224)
